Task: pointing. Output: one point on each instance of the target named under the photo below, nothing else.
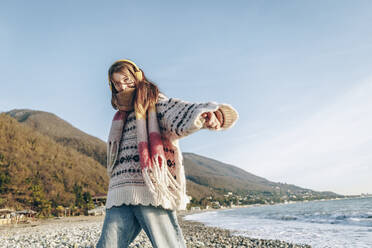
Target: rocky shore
(84, 231)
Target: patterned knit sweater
(177, 119)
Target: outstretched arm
(178, 118)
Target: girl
(144, 163)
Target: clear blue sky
(298, 72)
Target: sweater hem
(137, 196)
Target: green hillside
(37, 171)
(62, 132)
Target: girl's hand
(213, 120)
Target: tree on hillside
(38, 199)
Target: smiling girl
(144, 162)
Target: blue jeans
(122, 225)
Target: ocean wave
(345, 223)
(349, 218)
(288, 218)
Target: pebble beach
(84, 231)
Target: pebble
(84, 232)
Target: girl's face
(123, 79)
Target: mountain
(62, 132)
(43, 148)
(36, 170)
(224, 178)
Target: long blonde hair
(146, 91)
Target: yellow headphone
(137, 72)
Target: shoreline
(226, 237)
(84, 231)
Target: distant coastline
(202, 210)
(189, 212)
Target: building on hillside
(216, 204)
(27, 213)
(99, 200)
(10, 216)
(5, 216)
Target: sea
(330, 223)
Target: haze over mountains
(39, 149)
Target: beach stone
(84, 232)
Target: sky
(298, 72)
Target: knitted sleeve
(178, 118)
